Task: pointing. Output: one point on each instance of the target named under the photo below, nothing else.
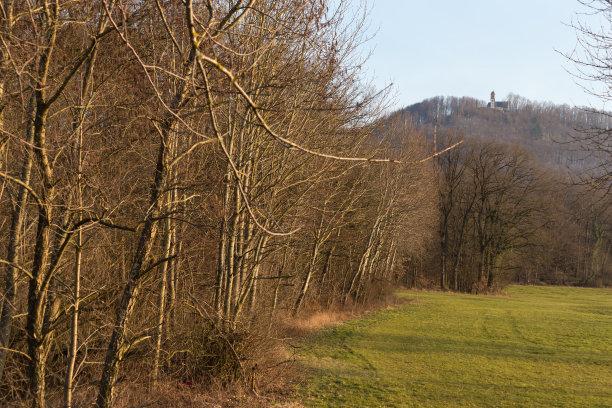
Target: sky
(469, 48)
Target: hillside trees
(506, 182)
(563, 243)
(488, 208)
(456, 200)
(570, 249)
(592, 59)
(503, 218)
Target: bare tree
(592, 58)
(178, 171)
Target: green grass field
(536, 347)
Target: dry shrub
(306, 324)
(224, 357)
(14, 384)
(173, 394)
(379, 293)
(312, 320)
(204, 351)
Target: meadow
(531, 347)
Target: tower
(493, 100)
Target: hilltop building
(502, 106)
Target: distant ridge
(543, 128)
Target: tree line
(174, 175)
(504, 217)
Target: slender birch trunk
(222, 279)
(306, 284)
(281, 269)
(162, 298)
(356, 281)
(117, 345)
(78, 129)
(78, 251)
(14, 241)
(326, 269)
(72, 351)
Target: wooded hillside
(516, 202)
(543, 128)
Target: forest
(516, 199)
(179, 178)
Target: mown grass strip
(535, 347)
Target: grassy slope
(538, 347)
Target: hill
(545, 129)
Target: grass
(535, 347)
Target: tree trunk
(248, 292)
(15, 238)
(38, 338)
(221, 282)
(162, 299)
(7, 305)
(277, 286)
(326, 269)
(74, 330)
(117, 347)
(364, 262)
(443, 271)
(306, 283)
(443, 250)
(117, 344)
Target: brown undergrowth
(261, 359)
(312, 321)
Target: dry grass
(301, 326)
(176, 394)
(179, 395)
(312, 321)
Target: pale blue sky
(469, 48)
